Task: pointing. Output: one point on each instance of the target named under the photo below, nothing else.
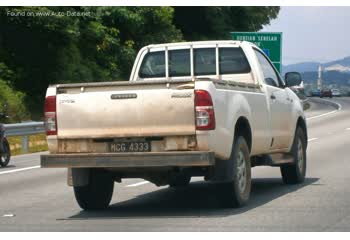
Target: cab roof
(198, 43)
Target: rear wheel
(237, 192)
(5, 156)
(98, 193)
(295, 173)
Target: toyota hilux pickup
(213, 109)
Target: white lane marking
(324, 114)
(137, 184)
(312, 139)
(19, 170)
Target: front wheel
(98, 193)
(5, 156)
(237, 191)
(295, 173)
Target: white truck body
(161, 109)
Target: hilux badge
(124, 96)
(181, 95)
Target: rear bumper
(127, 160)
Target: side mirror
(292, 79)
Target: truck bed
(125, 109)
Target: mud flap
(223, 171)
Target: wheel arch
(243, 128)
(302, 124)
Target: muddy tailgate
(150, 109)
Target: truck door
(280, 105)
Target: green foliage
(46, 45)
(11, 103)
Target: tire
(237, 191)
(295, 173)
(181, 180)
(98, 193)
(6, 155)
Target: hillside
(334, 73)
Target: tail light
(205, 116)
(50, 115)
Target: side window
(204, 61)
(233, 60)
(270, 76)
(179, 63)
(153, 65)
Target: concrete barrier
(326, 102)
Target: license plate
(130, 147)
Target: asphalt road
(34, 199)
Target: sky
(320, 34)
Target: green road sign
(269, 42)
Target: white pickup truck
(212, 109)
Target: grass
(37, 143)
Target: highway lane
(39, 199)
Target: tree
(207, 23)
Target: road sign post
(269, 42)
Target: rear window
(232, 60)
(204, 61)
(179, 63)
(153, 65)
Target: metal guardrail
(24, 130)
(27, 128)
(326, 102)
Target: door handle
(273, 97)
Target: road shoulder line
(19, 170)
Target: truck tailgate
(135, 110)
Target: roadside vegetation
(37, 143)
(12, 102)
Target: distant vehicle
(326, 93)
(316, 93)
(336, 93)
